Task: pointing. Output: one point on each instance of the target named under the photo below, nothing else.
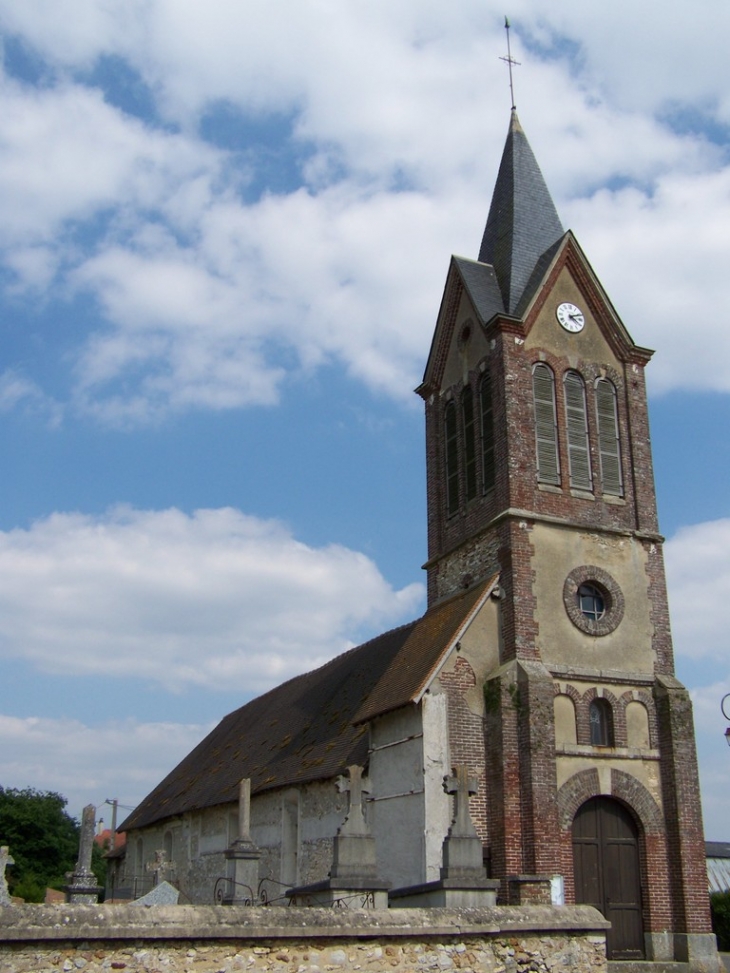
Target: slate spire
(523, 222)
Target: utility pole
(113, 839)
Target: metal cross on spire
(509, 61)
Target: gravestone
(463, 882)
(243, 853)
(462, 849)
(5, 860)
(353, 877)
(83, 888)
(159, 867)
(162, 894)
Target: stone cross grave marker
(244, 809)
(5, 860)
(355, 786)
(461, 785)
(159, 866)
(83, 888)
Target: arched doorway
(606, 867)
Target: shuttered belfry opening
(608, 437)
(576, 420)
(452, 459)
(488, 468)
(606, 868)
(470, 452)
(546, 427)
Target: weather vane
(509, 61)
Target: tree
(720, 904)
(43, 840)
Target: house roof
(522, 223)
(717, 856)
(313, 726)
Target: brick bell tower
(539, 468)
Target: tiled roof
(299, 731)
(313, 726)
(430, 639)
(522, 223)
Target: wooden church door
(606, 866)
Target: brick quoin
(466, 737)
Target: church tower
(539, 470)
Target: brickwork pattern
(582, 701)
(466, 738)
(681, 796)
(511, 371)
(657, 912)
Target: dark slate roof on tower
(522, 223)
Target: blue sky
(224, 241)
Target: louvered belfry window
(485, 401)
(452, 458)
(576, 420)
(470, 449)
(609, 446)
(546, 428)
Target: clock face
(570, 317)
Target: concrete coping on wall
(68, 923)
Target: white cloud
(154, 593)
(92, 764)
(207, 300)
(698, 578)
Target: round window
(593, 600)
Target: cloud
(91, 764)
(698, 578)
(210, 293)
(154, 593)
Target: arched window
(546, 427)
(609, 446)
(564, 711)
(485, 402)
(637, 725)
(576, 421)
(452, 458)
(470, 449)
(601, 720)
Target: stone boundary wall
(210, 939)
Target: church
(544, 660)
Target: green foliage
(43, 840)
(720, 906)
(492, 693)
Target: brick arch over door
(652, 837)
